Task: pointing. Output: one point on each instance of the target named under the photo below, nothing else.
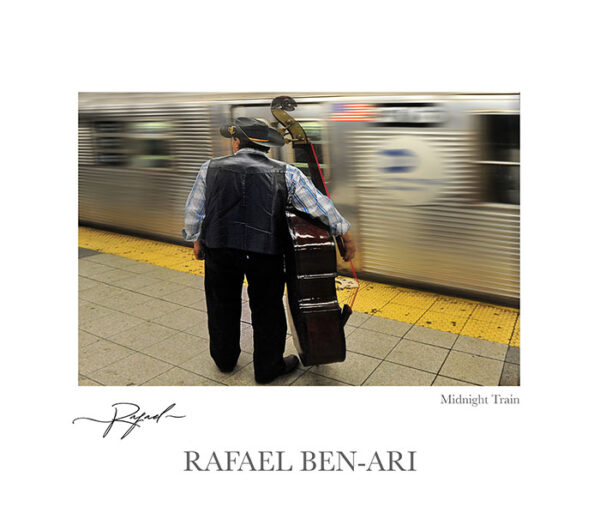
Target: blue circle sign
(410, 169)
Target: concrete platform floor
(141, 324)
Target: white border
(469, 459)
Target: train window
(104, 126)
(111, 159)
(148, 144)
(500, 162)
(109, 145)
(141, 144)
(314, 131)
(150, 127)
(149, 153)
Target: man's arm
(198, 250)
(305, 197)
(194, 212)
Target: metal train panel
(417, 173)
(124, 188)
(429, 182)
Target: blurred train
(429, 182)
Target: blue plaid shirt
(302, 195)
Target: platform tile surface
(142, 324)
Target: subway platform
(143, 321)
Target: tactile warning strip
(455, 315)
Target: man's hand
(349, 246)
(198, 251)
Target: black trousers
(224, 276)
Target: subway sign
(409, 114)
(410, 169)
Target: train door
(311, 115)
(261, 111)
(314, 119)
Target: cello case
(314, 315)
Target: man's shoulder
(279, 163)
(218, 159)
(240, 156)
(291, 168)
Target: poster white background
(539, 454)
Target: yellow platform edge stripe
(445, 313)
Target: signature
(129, 414)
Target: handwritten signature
(130, 415)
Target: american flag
(352, 112)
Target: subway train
(428, 181)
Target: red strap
(318, 166)
(327, 192)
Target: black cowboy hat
(254, 130)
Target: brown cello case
(315, 317)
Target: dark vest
(246, 195)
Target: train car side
(429, 182)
